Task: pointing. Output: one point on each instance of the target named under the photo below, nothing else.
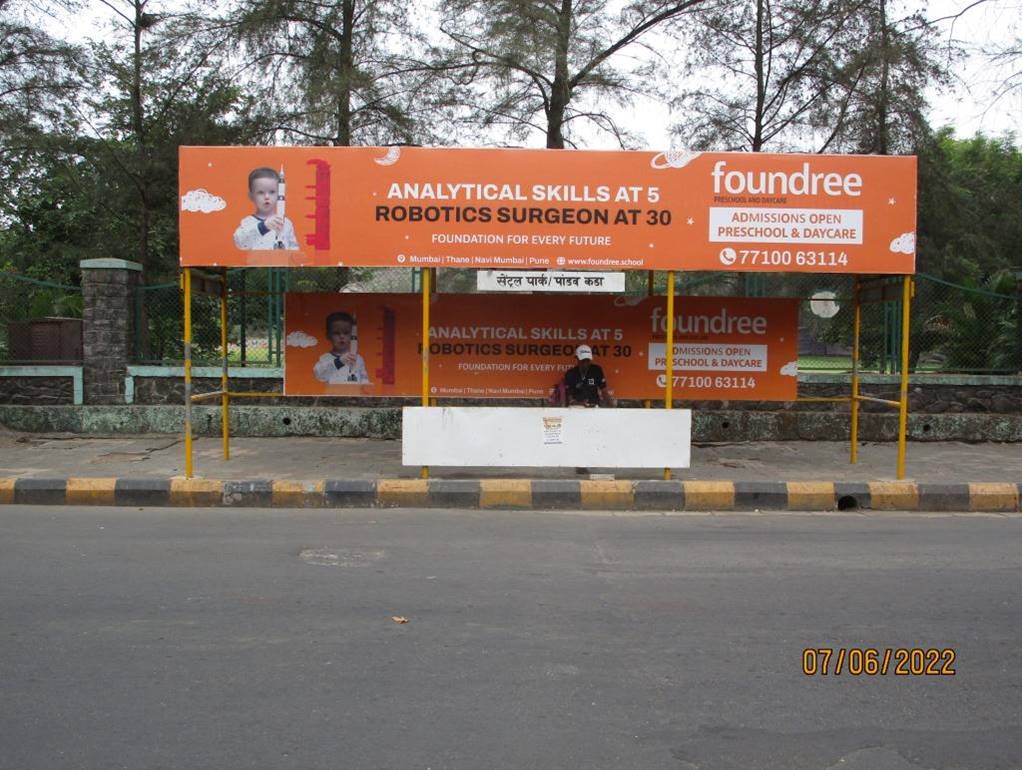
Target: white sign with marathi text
(550, 280)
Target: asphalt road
(222, 639)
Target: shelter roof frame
(875, 290)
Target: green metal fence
(955, 327)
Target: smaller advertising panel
(352, 344)
(370, 345)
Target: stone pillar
(108, 326)
(1018, 319)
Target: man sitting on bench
(585, 383)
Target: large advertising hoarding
(536, 209)
(370, 345)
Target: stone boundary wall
(36, 390)
(946, 395)
(385, 423)
(1004, 397)
(989, 395)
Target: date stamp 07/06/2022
(878, 661)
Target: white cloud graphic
(393, 153)
(301, 340)
(904, 244)
(790, 369)
(673, 159)
(202, 201)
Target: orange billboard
(370, 345)
(575, 209)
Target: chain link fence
(955, 328)
(966, 328)
(40, 321)
(255, 310)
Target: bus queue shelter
(554, 210)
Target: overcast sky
(970, 106)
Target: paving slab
(162, 456)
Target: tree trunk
(882, 141)
(346, 65)
(559, 93)
(758, 118)
(142, 177)
(1018, 319)
(138, 127)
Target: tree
(1004, 57)
(1010, 56)
(39, 75)
(166, 88)
(811, 75)
(337, 73)
(880, 105)
(970, 224)
(549, 65)
(768, 70)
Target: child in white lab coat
(342, 365)
(267, 228)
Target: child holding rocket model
(267, 228)
(342, 365)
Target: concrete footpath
(304, 472)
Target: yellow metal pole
(225, 399)
(426, 275)
(906, 303)
(856, 322)
(650, 281)
(669, 348)
(186, 279)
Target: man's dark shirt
(584, 389)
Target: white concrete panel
(469, 436)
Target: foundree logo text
(723, 322)
(805, 181)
